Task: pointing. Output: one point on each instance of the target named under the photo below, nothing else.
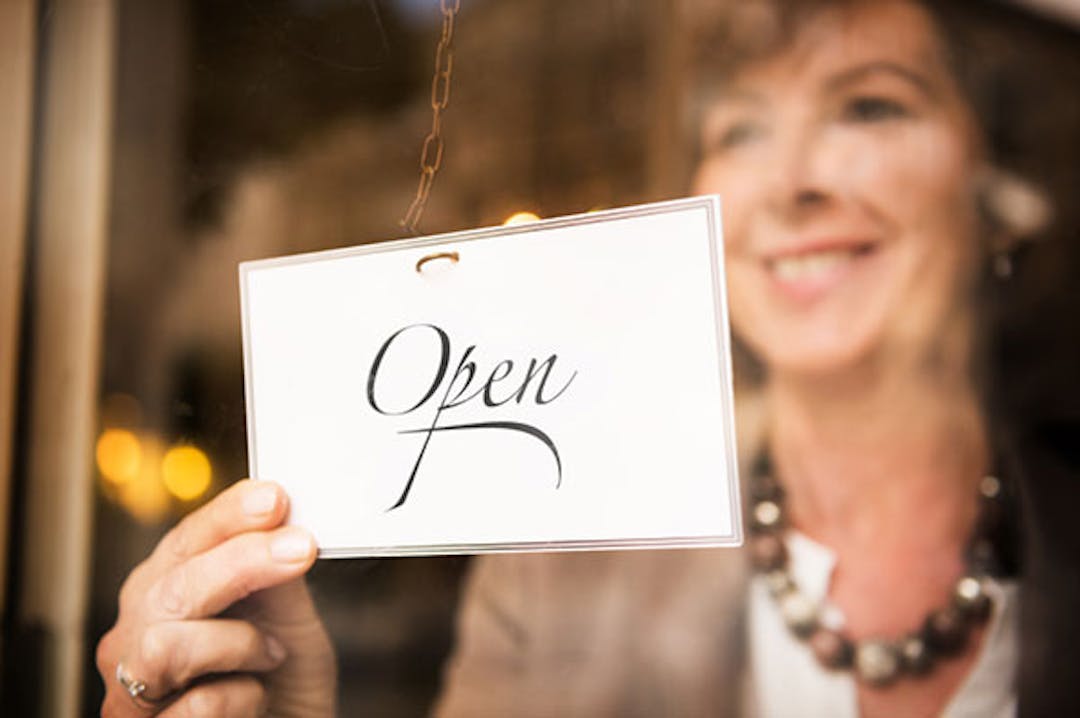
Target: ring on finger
(136, 689)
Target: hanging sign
(558, 385)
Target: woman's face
(845, 164)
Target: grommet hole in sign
(436, 263)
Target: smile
(809, 274)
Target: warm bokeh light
(186, 472)
(145, 498)
(522, 218)
(119, 456)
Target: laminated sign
(564, 384)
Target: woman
(852, 168)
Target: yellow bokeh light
(145, 497)
(186, 472)
(522, 218)
(119, 456)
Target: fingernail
(293, 545)
(275, 650)
(259, 500)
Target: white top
(788, 681)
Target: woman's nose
(800, 178)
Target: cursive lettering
(457, 394)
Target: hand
(218, 620)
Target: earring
(1015, 210)
(1003, 265)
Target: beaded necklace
(882, 661)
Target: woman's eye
(737, 134)
(873, 109)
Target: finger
(287, 605)
(226, 697)
(247, 505)
(172, 654)
(229, 572)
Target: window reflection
(253, 129)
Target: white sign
(558, 385)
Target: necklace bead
(778, 583)
(767, 514)
(990, 487)
(799, 612)
(768, 552)
(946, 631)
(982, 559)
(971, 598)
(916, 655)
(877, 662)
(831, 649)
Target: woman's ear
(1015, 210)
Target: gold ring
(452, 256)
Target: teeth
(806, 266)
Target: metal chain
(431, 152)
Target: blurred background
(148, 146)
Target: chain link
(431, 152)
